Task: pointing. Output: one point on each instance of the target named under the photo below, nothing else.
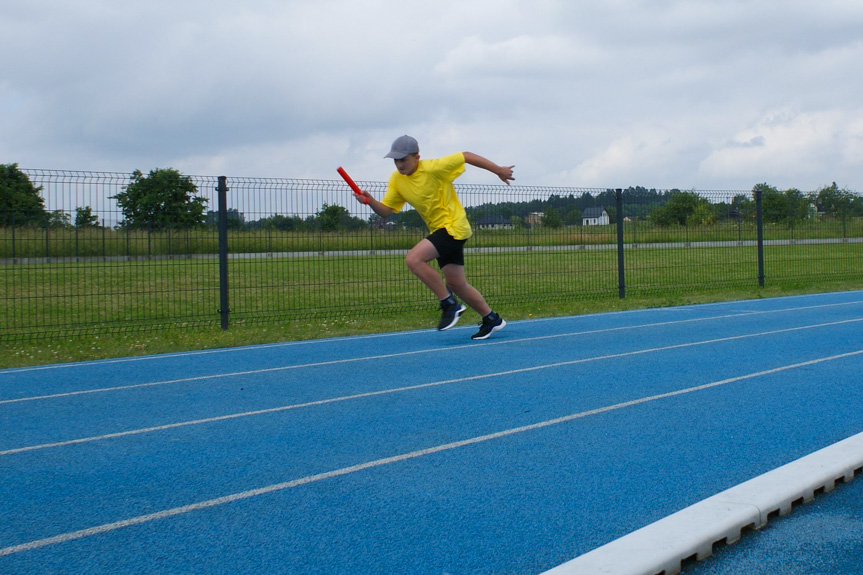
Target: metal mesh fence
(83, 262)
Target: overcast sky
(690, 94)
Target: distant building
(494, 223)
(595, 217)
(534, 219)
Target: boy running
(427, 186)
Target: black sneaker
(488, 327)
(450, 314)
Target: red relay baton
(357, 192)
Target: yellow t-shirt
(430, 191)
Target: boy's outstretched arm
(502, 172)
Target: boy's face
(408, 165)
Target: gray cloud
(626, 92)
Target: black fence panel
(84, 262)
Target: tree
(233, 217)
(789, 206)
(799, 205)
(335, 217)
(773, 208)
(163, 199)
(408, 219)
(742, 207)
(551, 219)
(572, 217)
(84, 218)
(280, 222)
(702, 216)
(682, 208)
(20, 202)
(835, 202)
(330, 217)
(58, 220)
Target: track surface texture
(425, 452)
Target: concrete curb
(662, 548)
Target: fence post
(621, 279)
(759, 226)
(224, 309)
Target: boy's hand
(505, 174)
(362, 197)
(502, 172)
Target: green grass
(163, 305)
(80, 348)
(103, 242)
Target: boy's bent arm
(377, 207)
(502, 172)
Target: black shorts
(449, 249)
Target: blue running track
(420, 452)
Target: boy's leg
(491, 322)
(457, 282)
(418, 259)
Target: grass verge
(83, 348)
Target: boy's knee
(457, 285)
(411, 260)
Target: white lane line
(90, 364)
(141, 519)
(415, 387)
(403, 354)
(195, 353)
(347, 360)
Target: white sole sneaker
(461, 309)
(481, 333)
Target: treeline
(558, 210)
(777, 206)
(167, 199)
(22, 205)
(682, 208)
(163, 199)
(665, 208)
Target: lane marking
(403, 354)
(210, 503)
(89, 364)
(412, 388)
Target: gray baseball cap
(403, 146)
